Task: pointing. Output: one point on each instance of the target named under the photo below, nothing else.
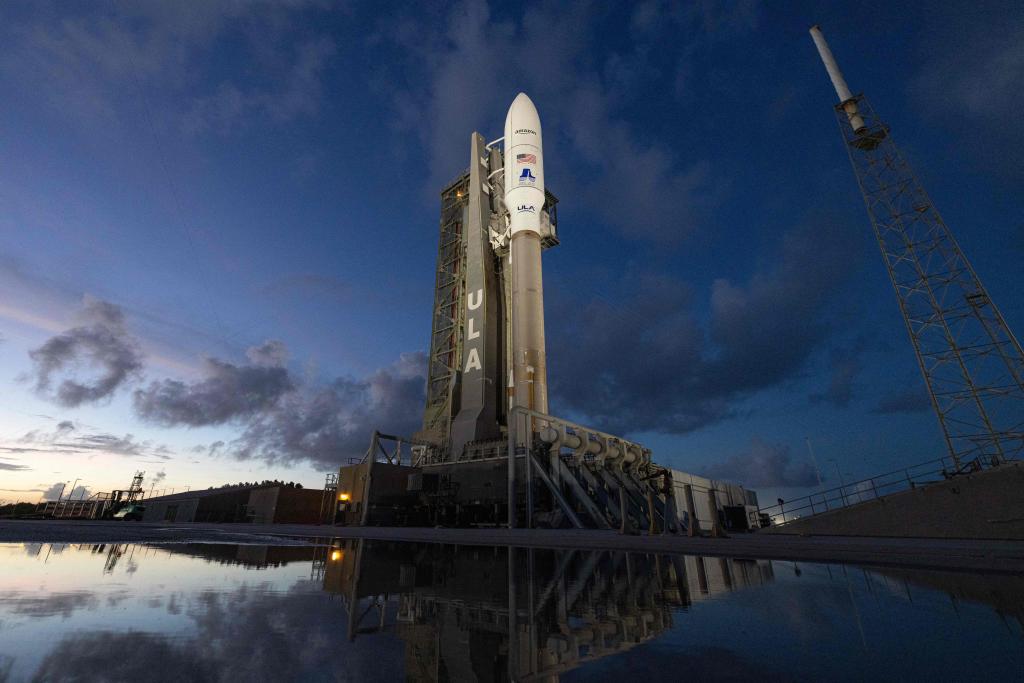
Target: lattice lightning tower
(972, 364)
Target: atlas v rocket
(486, 416)
(487, 352)
(524, 199)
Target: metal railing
(389, 449)
(869, 489)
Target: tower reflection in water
(451, 605)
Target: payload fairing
(524, 200)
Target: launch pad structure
(489, 451)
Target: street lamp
(817, 470)
(842, 484)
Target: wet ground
(369, 610)
(919, 553)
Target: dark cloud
(244, 634)
(122, 657)
(844, 367)
(910, 400)
(764, 330)
(654, 177)
(100, 63)
(229, 392)
(61, 604)
(31, 449)
(158, 477)
(69, 439)
(644, 361)
(840, 386)
(109, 443)
(328, 424)
(285, 419)
(210, 449)
(972, 78)
(101, 344)
(271, 353)
(10, 465)
(632, 365)
(231, 106)
(764, 465)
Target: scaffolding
(449, 314)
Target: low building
(261, 504)
(375, 494)
(734, 507)
(285, 505)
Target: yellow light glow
(343, 496)
(335, 555)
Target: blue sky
(233, 206)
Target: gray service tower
(487, 436)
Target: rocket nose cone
(523, 113)
(521, 105)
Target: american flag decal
(526, 158)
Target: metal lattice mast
(972, 364)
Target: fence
(868, 489)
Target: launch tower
(486, 419)
(490, 451)
(466, 414)
(972, 364)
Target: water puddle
(374, 610)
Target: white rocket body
(524, 198)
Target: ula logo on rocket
(523, 208)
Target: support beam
(580, 493)
(556, 494)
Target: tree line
(259, 484)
